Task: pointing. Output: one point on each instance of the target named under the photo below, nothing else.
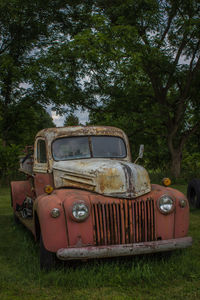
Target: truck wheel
(16, 219)
(47, 258)
(193, 193)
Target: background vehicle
(193, 193)
(84, 198)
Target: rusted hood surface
(108, 177)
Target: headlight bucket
(80, 211)
(166, 204)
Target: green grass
(174, 276)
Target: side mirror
(141, 152)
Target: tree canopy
(28, 30)
(139, 60)
(132, 64)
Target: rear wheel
(193, 193)
(16, 219)
(47, 258)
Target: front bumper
(123, 250)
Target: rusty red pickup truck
(83, 198)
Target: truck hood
(108, 177)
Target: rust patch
(109, 180)
(123, 250)
(81, 185)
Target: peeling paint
(123, 250)
(104, 176)
(109, 176)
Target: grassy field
(174, 276)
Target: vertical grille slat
(137, 222)
(107, 225)
(124, 222)
(97, 226)
(143, 221)
(152, 222)
(118, 221)
(101, 224)
(115, 224)
(104, 224)
(131, 222)
(111, 224)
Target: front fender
(181, 214)
(53, 230)
(19, 191)
(175, 224)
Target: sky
(59, 120)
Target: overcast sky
(59, 120)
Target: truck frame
(83, 198)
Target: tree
(71, 120)
(28, 120)
(149, 49)
(136, 58)
(27, 30)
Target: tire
(11, 196)
(193, 193)
(47, 258)
(16, 219)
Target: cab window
(41, 151)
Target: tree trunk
(176, 157)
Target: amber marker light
(166, 181)
(48, 189)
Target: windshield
(87, 147)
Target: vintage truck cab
(83, 198)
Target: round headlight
(80, 211)
(166, 204)
(55, 212)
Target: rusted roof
(81, 130)
(50, 134)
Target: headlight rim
(81, 219)
(173, 204)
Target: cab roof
(53, 133)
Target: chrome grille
(124, 222)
